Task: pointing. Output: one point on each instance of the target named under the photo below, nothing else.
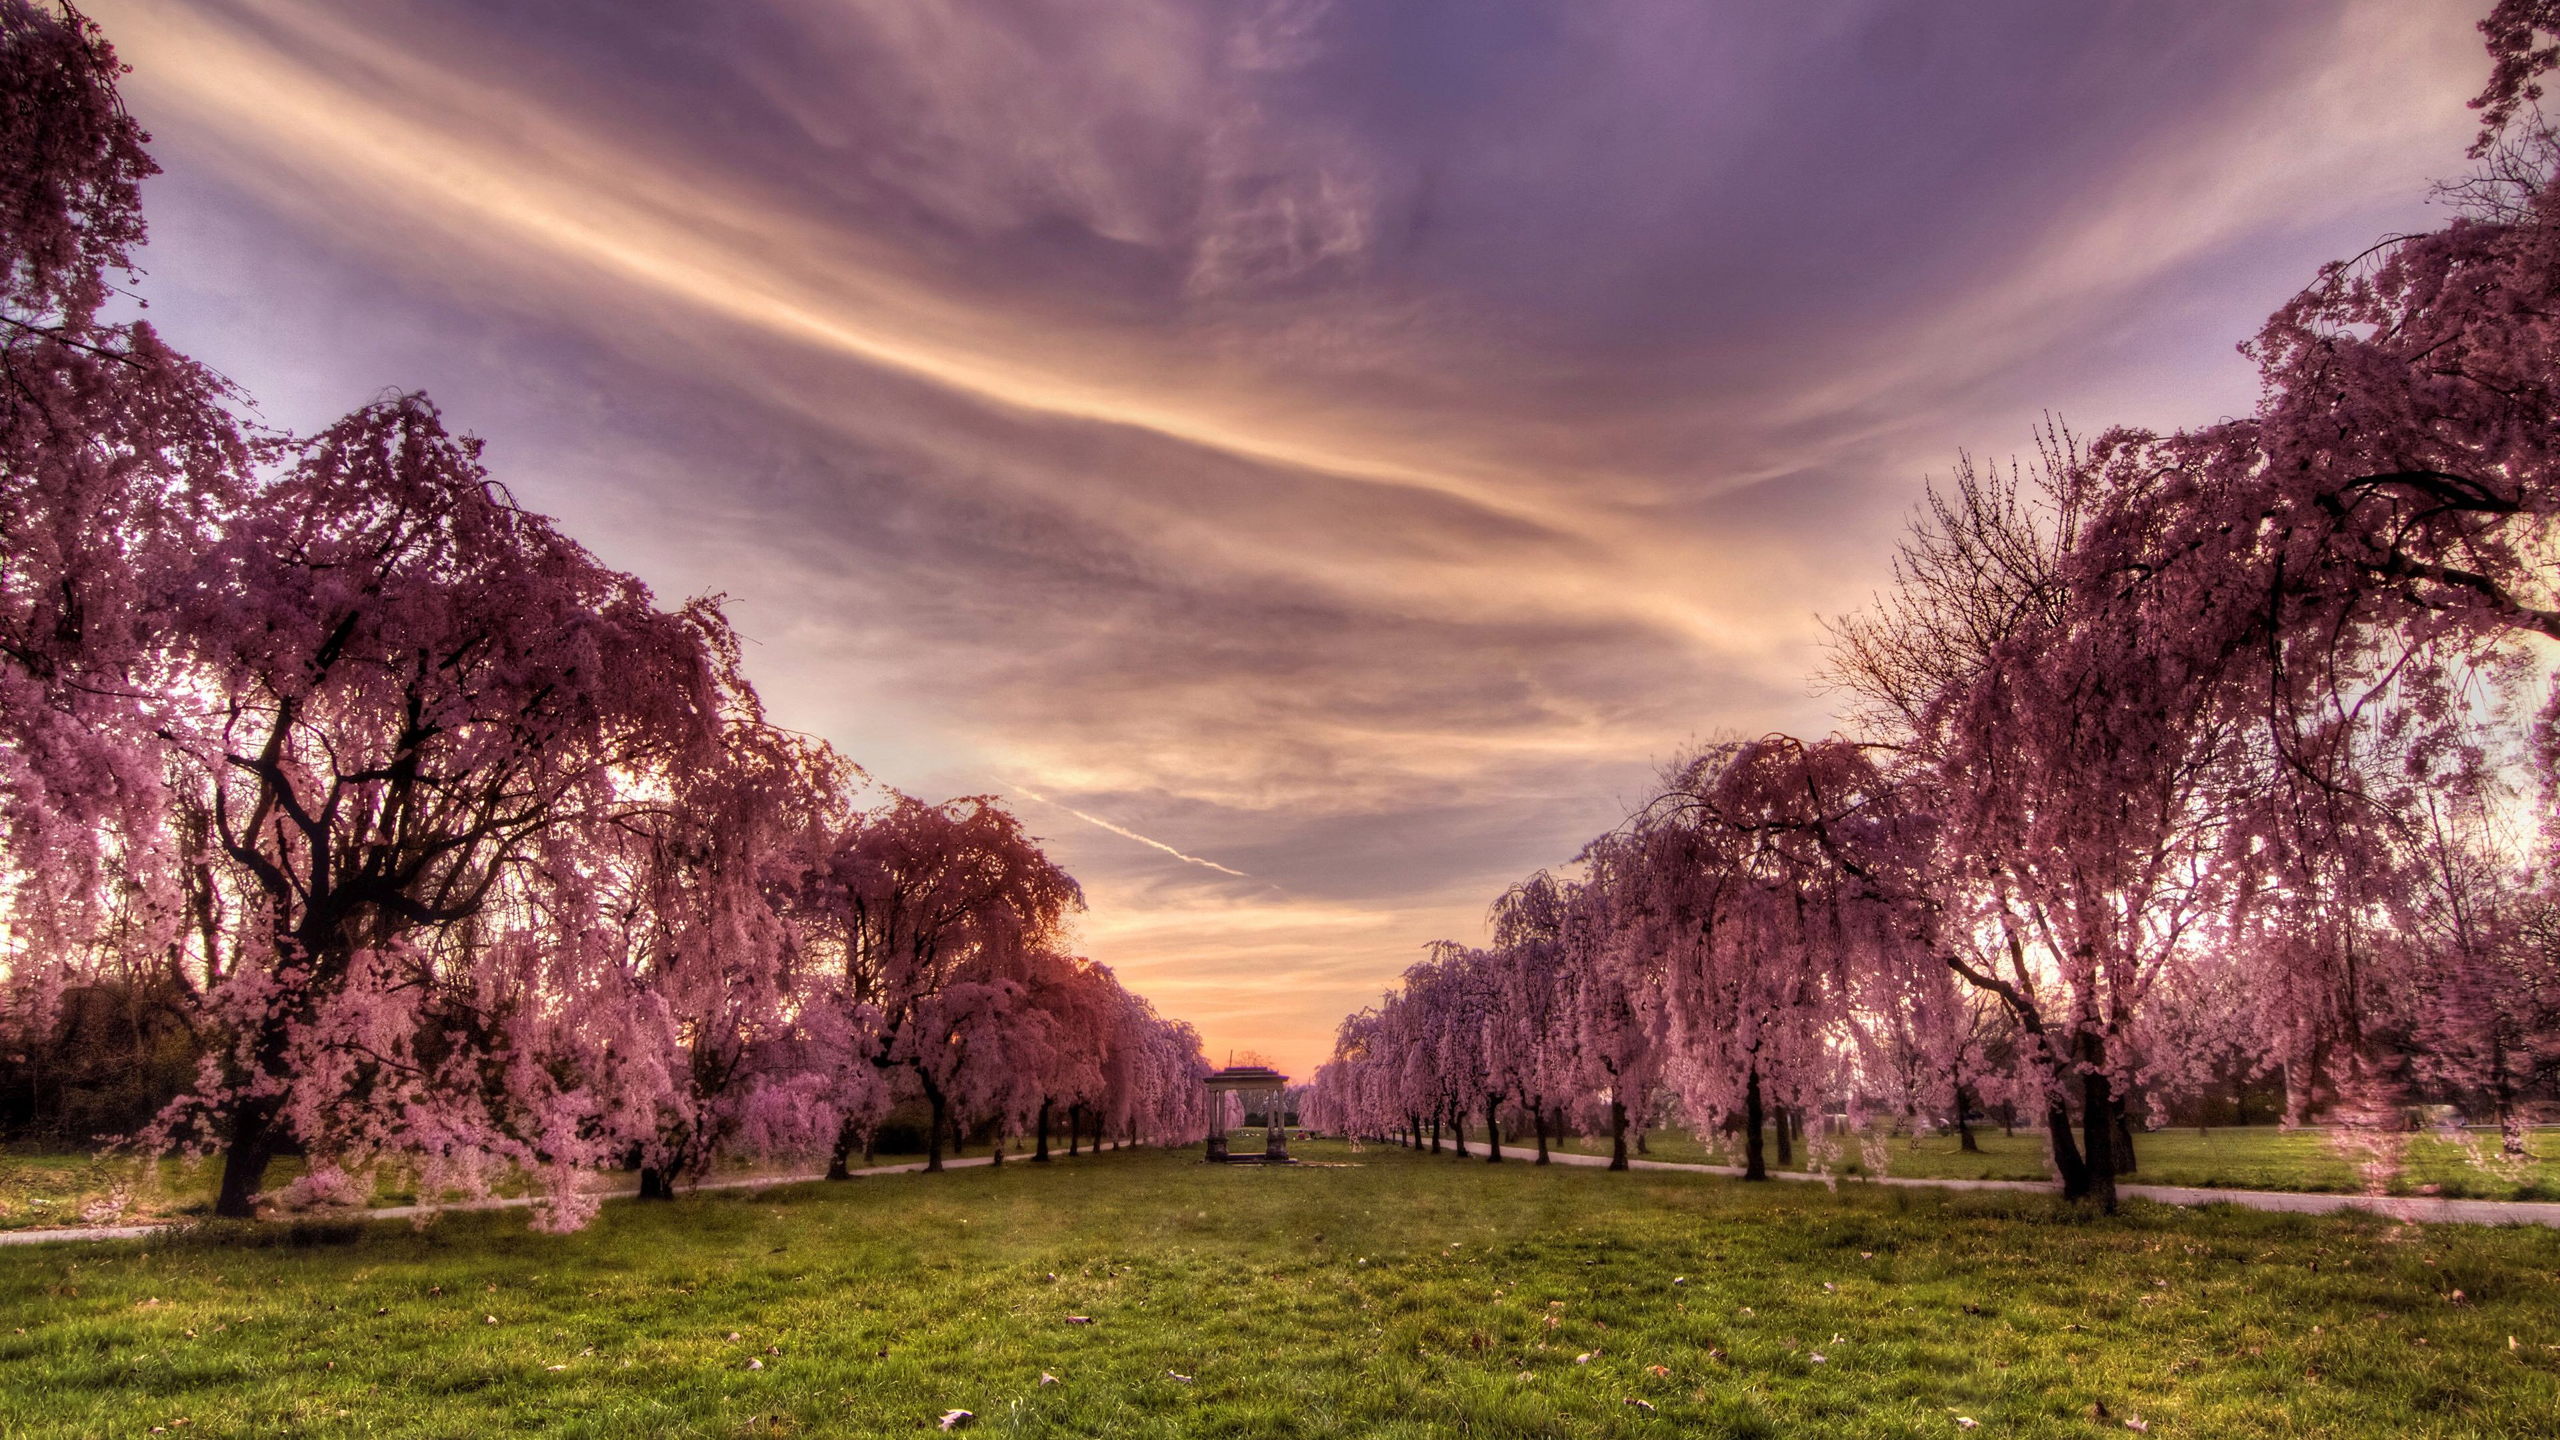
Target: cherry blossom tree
(1776, 952)
(693, 897)
(116, 454)
(407, 686)
(1534, 1041)
(1618, 1014)
(937, 912)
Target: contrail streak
(1125, 831)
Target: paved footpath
(2397, 1207)
(412, 1212)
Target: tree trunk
(1755, 1165)
(2126, 1161)
(656, 1184)
(2240, 1099)
(1492, 1131)
(1641, 1147)
(1617, 1134)
(838, 1166)
(1435, 1132)
(1781, 1121)
(1964, 1127)
(244, 1162)
(2066, 1153)
(1538, 1117)
(1458, 1127)
(2097, 1128)
(1042, 1152)
(933, 1131)
(995, 1156)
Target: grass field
(1394, 1295)
(2255, 1158)
(39, 1191)
(51, 1190)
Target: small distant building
(1250, 1081)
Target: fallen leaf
(1966, 1422)
(755, 1364)
(2137, 1424)
(555, 1367)
(1048, 1379)
(1178, 1375)
(1818, 1360)
(1079, 1319)
(1583, 1359)
(1679, 1279)
(733, 1335)
(488, 1319)
(954, 1419)
(1659, 1371)
(1644, 1405)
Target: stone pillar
(1276, 1146)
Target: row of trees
(2168, 754)
(402, 828)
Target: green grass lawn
(1397, 1295)
(46, 1190)
(2255, 1158)
(49, 1190)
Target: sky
(1317, 461)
